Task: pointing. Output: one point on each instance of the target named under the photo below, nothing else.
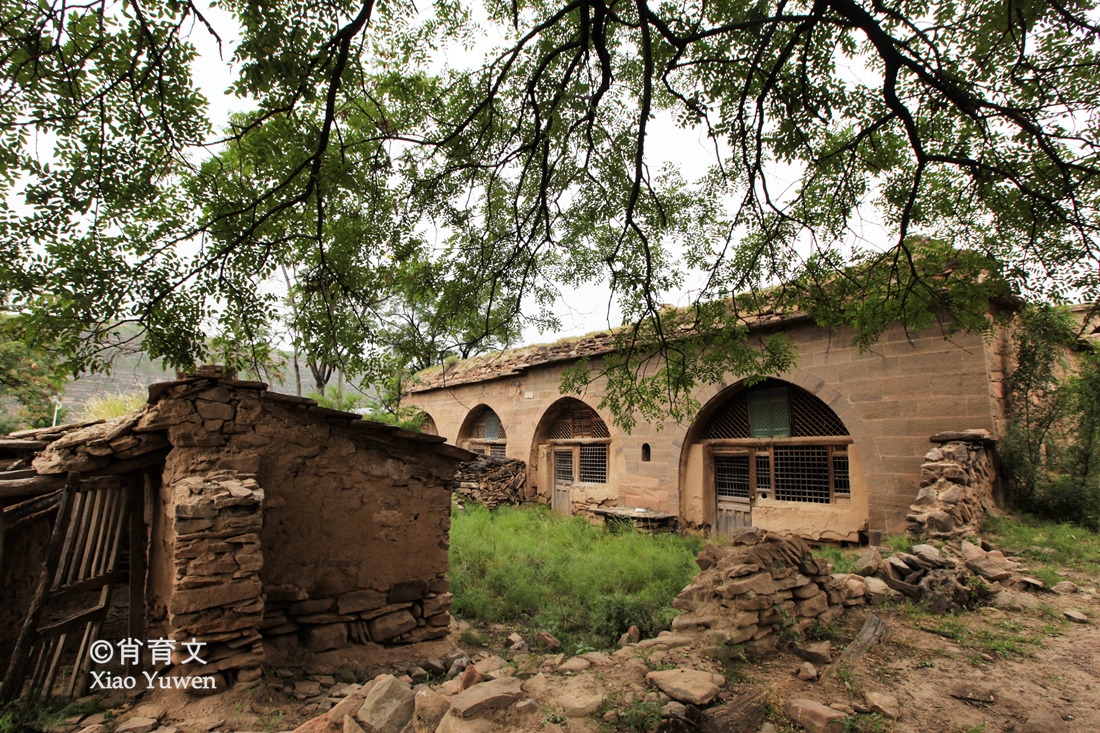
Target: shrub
(1051, 448)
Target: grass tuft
(105, 405)
(581, 583)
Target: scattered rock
(1075, 616)
(428, 709)
(817, 652)
(1065, 587)
(687, 685)
(489, 695)
(389, 705)
(807, 672)
(574, 664)
(1010, 601)
(136, 725)
(883, 703)
(470, 677)
(815, 717)
(547, 641)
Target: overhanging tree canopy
(972, 123)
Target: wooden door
(563, 481)
(733, 490)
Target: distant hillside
(134, 373)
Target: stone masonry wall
(956, 487)
(216, 597)
(355, 525)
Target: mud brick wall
(957, 487)
(354, 516)
(750, 593)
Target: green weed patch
(583, 584)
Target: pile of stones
(956, 487)
(491, 481)
(751, 592)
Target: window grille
(731, 476)
(563, 467)
(578, 422)
(496, 450)
(807, 417)
(763, 471)
(487, 426)
(841, 483)
(769, 413)
(593, 464)
(802, 474)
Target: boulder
(388, 707)
(815, 717)
(687, 685)
(884, 704)
(486, 696)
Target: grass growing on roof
(560, 574)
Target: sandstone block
(761, 583)
(439, 603)
(323, 637)
(410, 590)
(687, 685)
(884, 704)
(360, 600)
(811, 606)
(197, 599)
(485, 696)
(815, 717)
(391, 625)
(428, 709)
(388, 707)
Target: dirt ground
(987, 670)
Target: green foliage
(565, 576)
(29, 378)
(822, 631)
(643, 717)
(422, 206)
(105, 406)
(899, 542)
(1051, 449)
(1046, 546)
(843, 560)
(873, 723)
(336, 397)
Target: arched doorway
(771, 445)
(483, 432)
(427, 424)
(572, 447)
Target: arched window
(777, 441)
(483, 432)
(580, 438)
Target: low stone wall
(956, 488)
(749, 593)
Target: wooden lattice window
(763, 430)
(759, 412)
(579, 421)
(487, 433)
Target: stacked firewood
(492, 481)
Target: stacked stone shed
(272, 519)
